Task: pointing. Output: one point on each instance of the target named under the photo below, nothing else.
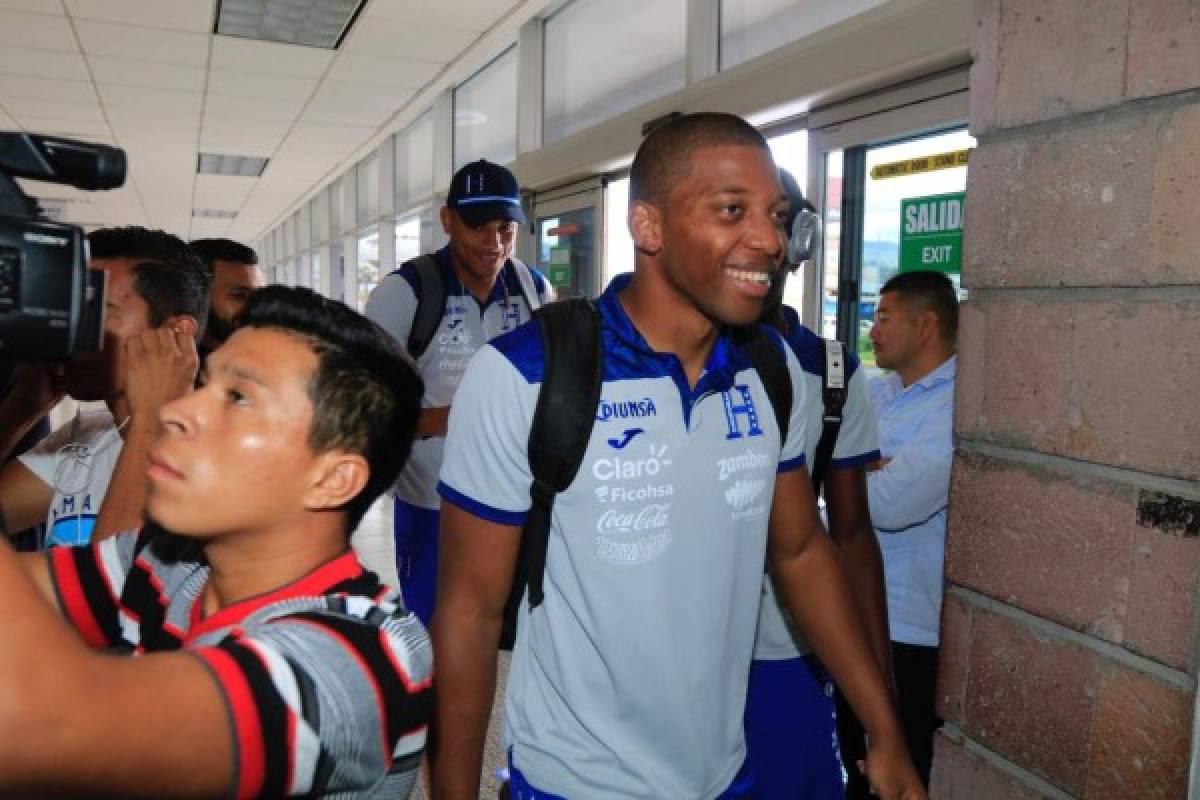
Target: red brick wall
(1073, 555)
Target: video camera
(51, 304)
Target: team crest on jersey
(512, 316)
(740, 412)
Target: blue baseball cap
(482, 192)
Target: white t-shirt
(464, 328)
(629, 680)
(77, 460)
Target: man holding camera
(86, 480)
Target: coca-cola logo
(649, 518)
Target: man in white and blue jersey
(629, 680)
(487, 292)
(791, 727)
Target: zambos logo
(625, 409)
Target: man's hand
(891, 773)
(160, 366)
(40, 385)
(433, 421)
(878, 464)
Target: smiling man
(443, 308)
(629, 680)
(265, 660)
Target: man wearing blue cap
(442, 308)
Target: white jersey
(856, 445)
(464, 328)
(77, 461)
(629, 680)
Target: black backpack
(566, 411)
(833, 396)
(431, 299)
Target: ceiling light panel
(313, 23)
(246, 166)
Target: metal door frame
(575, 196)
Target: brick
(1175, 237)
(1162, 597)
(1140, 737)
(1031, 700)
(1164, 47)
(969, 381)
(1106, 379)
(1035, 539)
(954, 653)
(1073, 551)
(1023, 373)
(985, 48)
(958, 774)
(1043, 48)
(1136, 376)
(1069, 208)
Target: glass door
(567, 243)
(890, 189)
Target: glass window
(750, 28)
(289, 236)
(368, 189)
(408, 238)
(485, 113)
(618, 244)
(316, 270)
(335, 208)
(831, 224)
(790, 151)
(304, 227)
(605, 58)
(368, 265)
(314, 222)
(414, 162)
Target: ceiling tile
(43, 63)
(92, 130)
(236, 124)
(269, 57)
(138, 97)
(475, 15)
(235, 145)
(32, 6)
(240, 83)
(222, 191)
(151, 74)
(51, 109)
(389, 37)
(176, 15)
(341, 102)
(383, 71)
(56, 89)
(172, 47)
(36, 30)
(276, 108)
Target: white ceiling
(151, 78)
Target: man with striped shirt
(268, 662)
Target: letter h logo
(733, 411)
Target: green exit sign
(931, 231)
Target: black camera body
(51, 304)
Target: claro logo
(608, 469)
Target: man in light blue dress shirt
(914, 336)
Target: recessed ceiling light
(249, 166)
(312, 23)
(213, 213)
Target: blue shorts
(744, 785)
(791, 731)
(416, 534)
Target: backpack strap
(431, 303)
(833, 394)
(528, 286)
(768, 359)
(558, 436)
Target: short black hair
(212, 250)
(665, 156)
(930, 291)
(366, 392)
(167, 274)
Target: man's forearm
(125, 499)
(466, 683)
(864, 570)
(433, 421)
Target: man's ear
(338, 478)
(447, 217)
(184, 323)
(645, 227)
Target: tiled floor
(373, 541)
